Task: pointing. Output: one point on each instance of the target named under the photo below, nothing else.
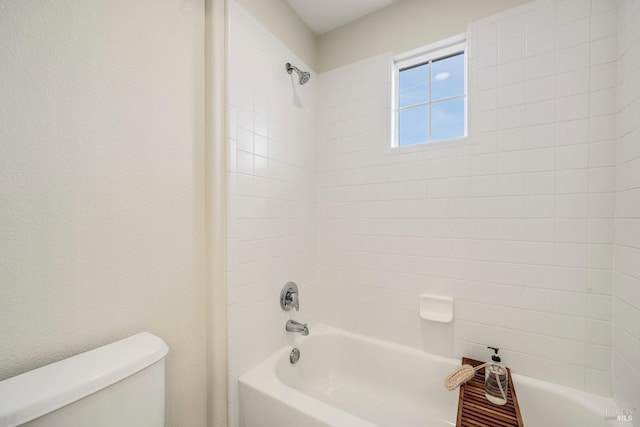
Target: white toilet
(120, 384)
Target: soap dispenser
(496, 381)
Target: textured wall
(272, 188)
(101, 184)
(626, 302)
(515, 222)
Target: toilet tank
(120, 384)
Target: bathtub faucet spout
(293, 326)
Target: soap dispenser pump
(496, 382)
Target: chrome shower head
(303, 76)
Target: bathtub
(348, 380)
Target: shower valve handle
(289, 297)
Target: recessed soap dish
(436, 308)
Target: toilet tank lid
(35, 393)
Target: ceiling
(323, 16)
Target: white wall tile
(572, 132)
(572, 107)
(539, 113)
(512, 49)
(604, 50)
(511, 27)
(604, 24)
(543, 65)
(573, 33)
(572, 58)
(510, 117)
(602, 128)
(602, 154)
(603, 76)
(541, 42)
(598, 382)
(510, 95)
(602, 102)
(572, 156)
(572, 83)
(541, 18)
(540, 89)
(488, 99)
(487, 34)
(571, 10)
(511, 72)
(572, 230)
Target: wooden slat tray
(474, 410)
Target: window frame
(432, 52)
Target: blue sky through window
(414, 85)
(447, 119)
(447, 76)
(414, 125)
(431, 101)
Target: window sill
(429, 146)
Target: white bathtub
(348, 380)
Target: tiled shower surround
(271, 194)
(531, 222)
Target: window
(430, 97)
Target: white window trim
(439, 49)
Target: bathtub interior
(348, 379)
(546, 404)
(366, 378)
